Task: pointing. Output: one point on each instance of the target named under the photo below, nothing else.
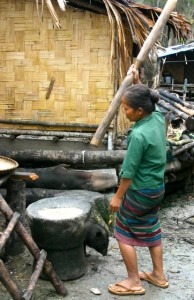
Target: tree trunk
(77, 157)
(61, 178)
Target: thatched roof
(130, 16)
(139, 17)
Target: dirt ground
(177, 219)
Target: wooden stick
(148, 45)
(34, 278)
(33, 248)
(7, 281)
(50, 88)
(7, 232)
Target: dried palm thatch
(130, 17)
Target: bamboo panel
(33, 97)
(47, 55)
(77, 56)
(39, 76)
(100, 106)
(18, 104)
(8, 76)
(15, 55)
(64, 35)
(7, 46)
(2, 35)
(17, 85)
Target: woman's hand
(135, 72)
(115, 203)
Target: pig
(97, 237)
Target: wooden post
(16, 199)
(148, 45)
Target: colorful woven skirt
(137, 221)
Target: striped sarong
(137, 221)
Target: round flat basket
(7, 165)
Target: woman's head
(139, 100)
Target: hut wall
(32, 52)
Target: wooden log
(61, 178)
(168, 95)
(182, 142)
(179, 176)
(60, 134)
(9, 284)
(186, 110)
(33, 248)
(145, 50)
(82, 158)
(7, 232)
(174, 109)
(183, 148)
(34, 278)
(176, 165)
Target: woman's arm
(117, 199)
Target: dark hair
(140, 95)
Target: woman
(141, 189)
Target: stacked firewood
(180, 139)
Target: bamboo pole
(148, 45)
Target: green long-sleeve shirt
(145, 159)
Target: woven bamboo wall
(31, 53)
